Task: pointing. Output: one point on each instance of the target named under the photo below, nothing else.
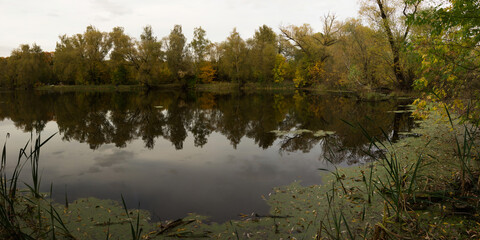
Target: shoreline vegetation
(226, 87)
(418, 187)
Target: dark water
(177, 153)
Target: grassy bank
(227, 87)
(425, 186)
(100, 88)
(217, 87)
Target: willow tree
(28, 66)
(310, 49)
(80, 59)
(360, 56)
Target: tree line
(402, 44)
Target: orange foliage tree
(206, 73)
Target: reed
(13, 223)
(135, 229)
(334, 220)
(464, 146)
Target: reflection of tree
(298, 142)
(262, 118)
(97, 129)
(120, 117)
(402, 122)
(335, 153)
(150, 125)
(151, 116)
(206, 101)
(124, 121)
(176, 131)
(18, 107)
(84, 118)
(330, 113)
(201, 127)
(234, 121)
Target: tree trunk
(394, 46)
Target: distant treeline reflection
(120, 117)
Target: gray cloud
(112, 8)
(114, 161)
(116, 158)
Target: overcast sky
(42, 21)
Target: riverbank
(83, 88)
(432, 198)
(227, 87)
(211, 87)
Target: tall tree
(176, 52)
(81, 58)
(363, 54)
(310, 49)
(122, 56)
(390, 16)
(97, 46)
(204, 71)
(233, 58)
(200, 44)
(68, 65)
(264, 48)
(148, 60)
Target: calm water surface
(177, 153)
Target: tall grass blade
(135, 232)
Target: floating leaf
(322, 133)
(401, 111)
(280, 133)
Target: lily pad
(322, 133)
(408, 106)
(401, 111)
(280, 133)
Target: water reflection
(179, 152)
